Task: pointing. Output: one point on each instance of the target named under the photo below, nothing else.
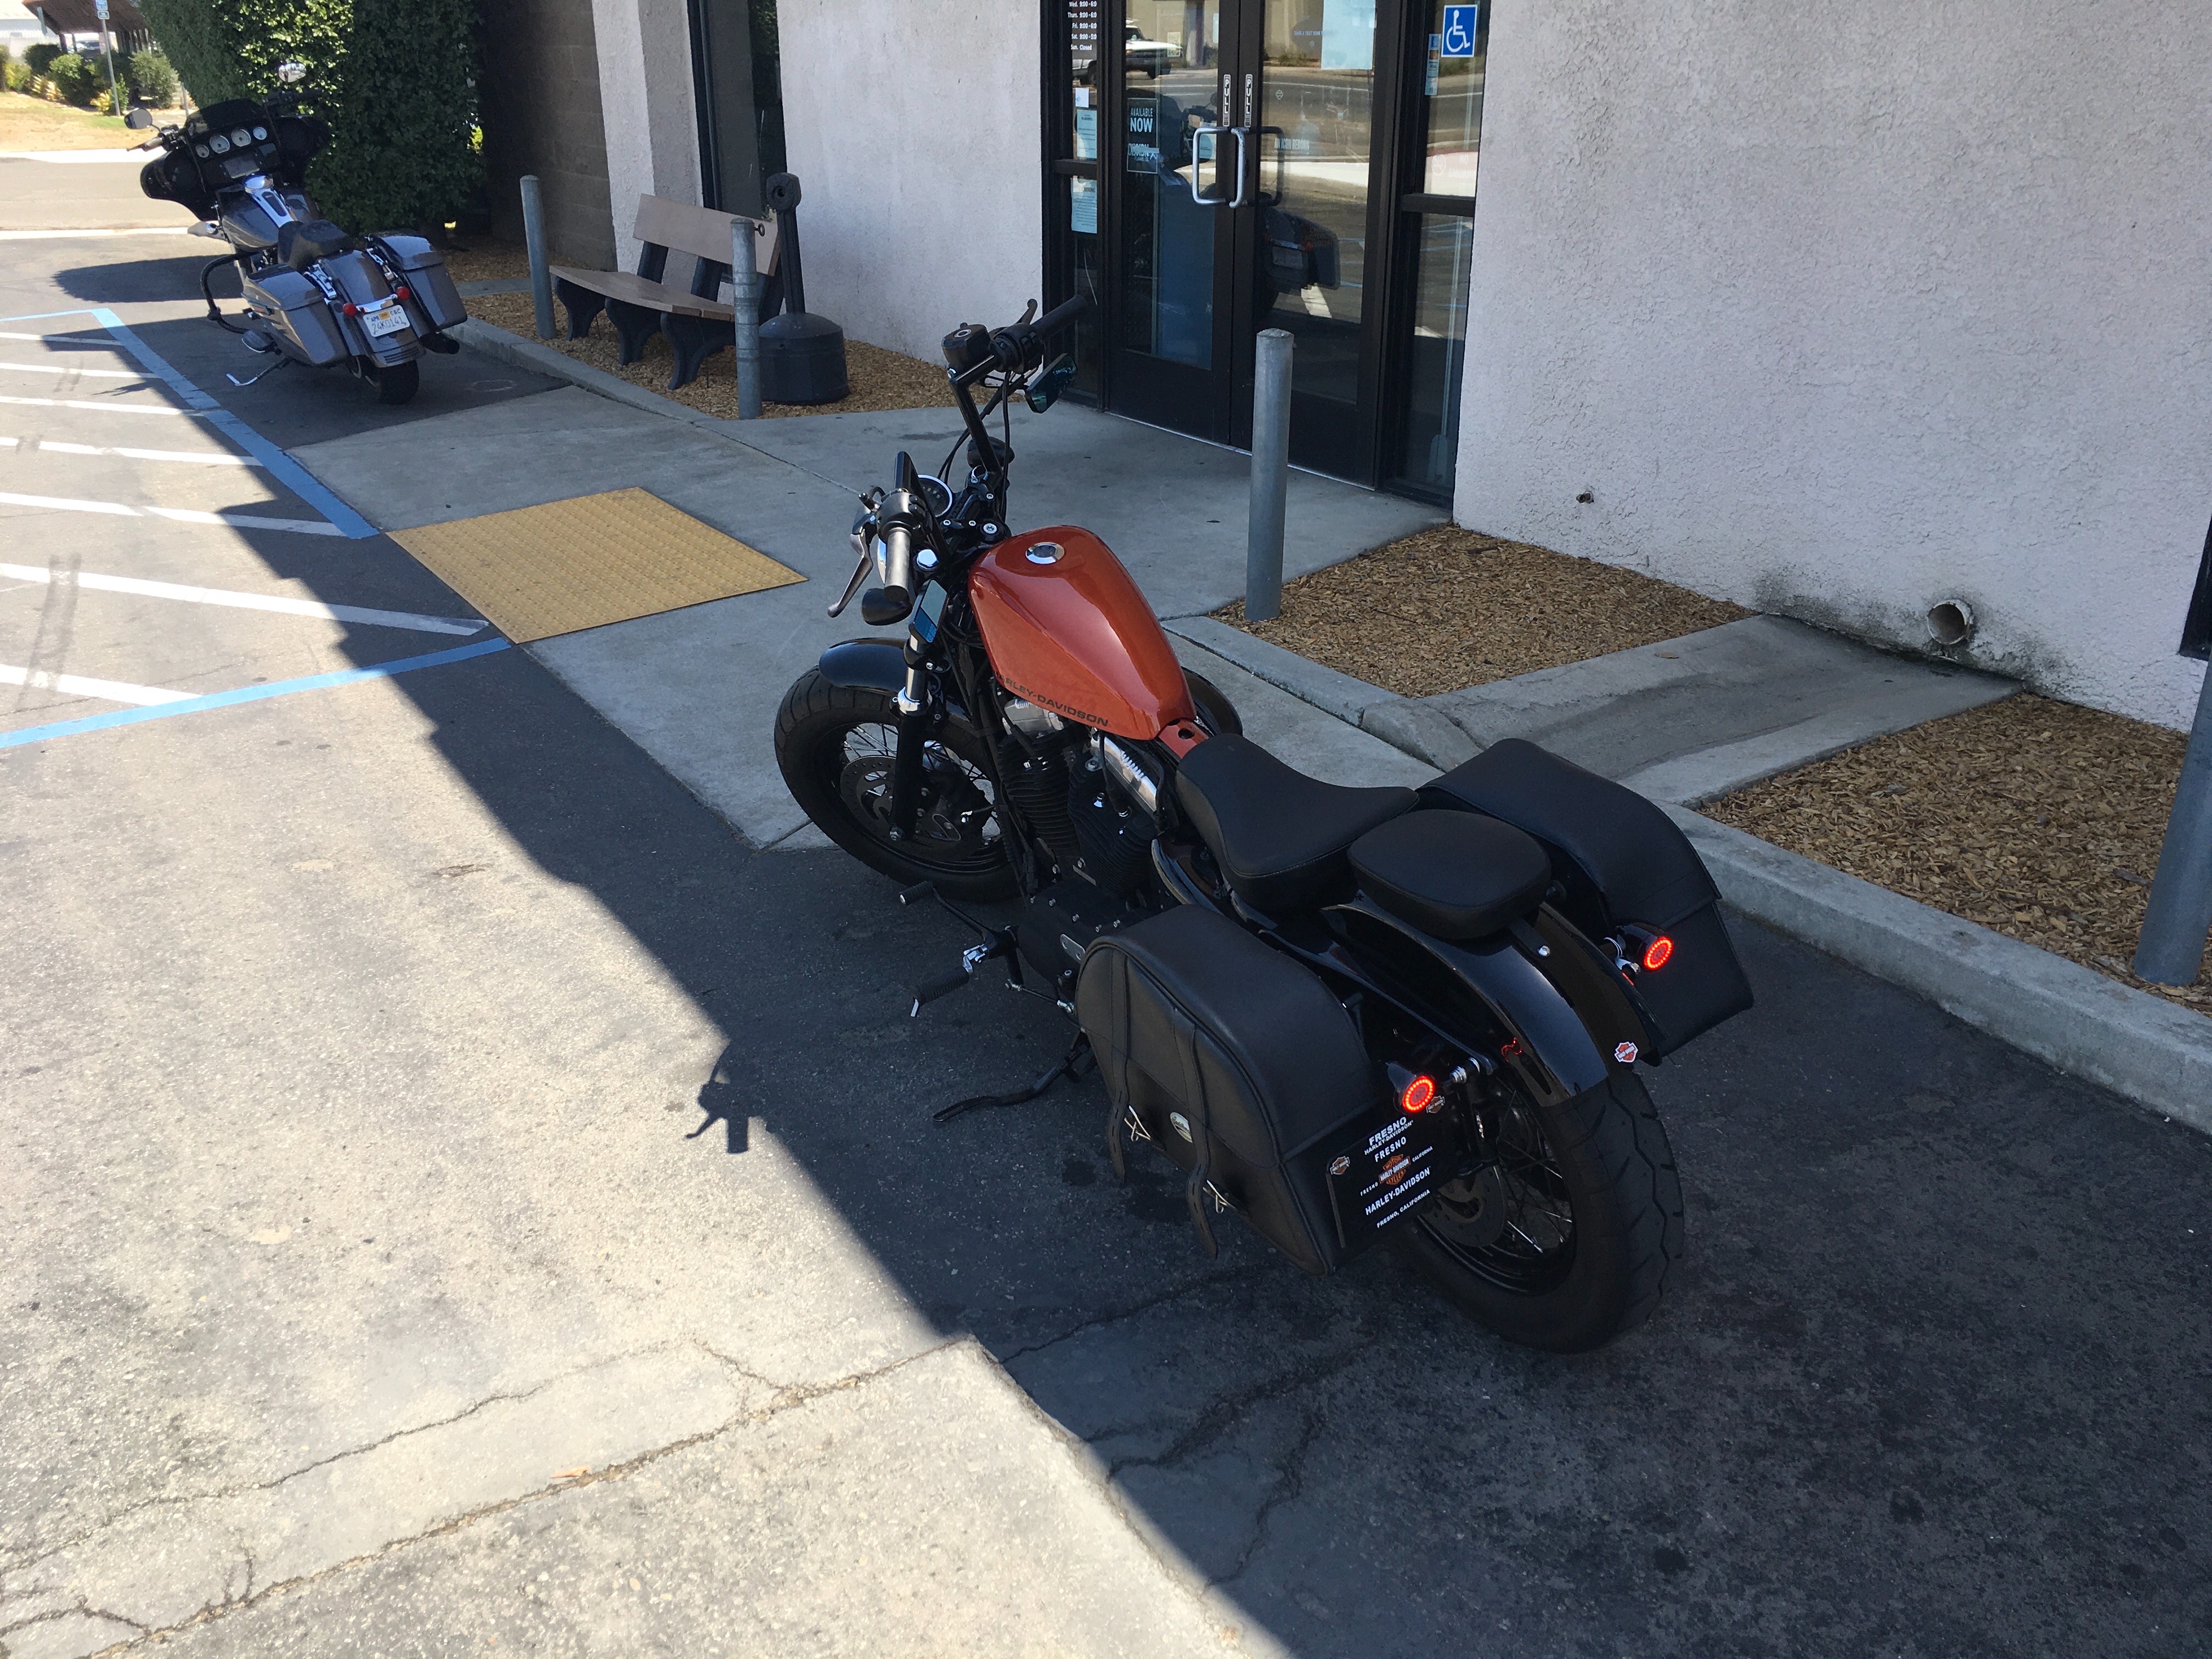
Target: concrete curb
(1324, 688)
(496, 342)
(2088, 1026)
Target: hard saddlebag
(1626, 873)
(296, 308)
(429, 285)
(1242, 1066)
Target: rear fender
(1554, 1027)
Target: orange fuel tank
(1067, 628)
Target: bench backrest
(702, 232)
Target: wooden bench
(694, 318)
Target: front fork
(920, 711)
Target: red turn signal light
(1416, 1095)
(1658, 954)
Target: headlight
(219, 144)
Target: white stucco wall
(1841, 310)
(913, 126)
(645, 102)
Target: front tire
(834, 745)
(1564, 1240)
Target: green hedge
(41, 56)
(396, 79)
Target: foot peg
(970, 959)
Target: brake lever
(859, 575)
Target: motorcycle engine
(1091, 801)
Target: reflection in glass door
(1314, 154)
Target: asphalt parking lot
(387, 1049)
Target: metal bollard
(2171, 947)
(1271, 477)
(541, 274)
(744, 302)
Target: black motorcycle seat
(1453, 875)
(1280, 836)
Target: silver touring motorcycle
(371, 304)
(1350, 1016)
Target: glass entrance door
(1222, 166)
(1177, 184)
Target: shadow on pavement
(1930, 1381)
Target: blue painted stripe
(275, 461)
(246, 694)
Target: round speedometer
(219, 144)
(241, 138)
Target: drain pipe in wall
(2172, 948)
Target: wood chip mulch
(1448, 608)
(2035, 818)
(880, 380)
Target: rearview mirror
(1050, 382)
(290, 72)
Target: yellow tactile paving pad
(539, 571)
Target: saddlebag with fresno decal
(1625, 874)
(1240, 1065)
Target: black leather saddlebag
(1622, 866)
(1239, 1064)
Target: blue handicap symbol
(1459, 31)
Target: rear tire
(1615, 1170)
(397, 383)
(833, 744)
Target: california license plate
(390, 320)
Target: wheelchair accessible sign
(1457, 39)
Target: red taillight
(1657, 954)
(1416, 1095)
(351, 309)
(399, 293)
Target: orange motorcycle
(1348, 1015)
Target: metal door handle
(1243, 170)
(1197, 194)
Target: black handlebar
(1062, 314)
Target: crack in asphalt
(1290, 1483)
(1098, 1321)
(785, 1397)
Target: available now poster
(1348, 34)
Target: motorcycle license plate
(1390, 1165)
(390, 320)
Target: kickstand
(258, 378)
(1070, 1065)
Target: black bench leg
(582, 306)
(636, 325)
(695, 339)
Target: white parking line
(180, 514)
(103, 408)
(71, 368)
(81, 336)
(409, 619)
(76, 686)
(209, 458)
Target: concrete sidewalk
(699, 688)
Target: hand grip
(1062, 314)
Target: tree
(396, 80)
